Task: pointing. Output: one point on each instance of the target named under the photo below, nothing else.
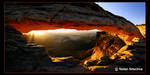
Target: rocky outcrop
(84, 16)
(109, 44)
(136, 64)
(106, 46)
(138, 59)
(21, 57)
(142, 29)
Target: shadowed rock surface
(20, 57)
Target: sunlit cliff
(142, 29)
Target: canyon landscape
(81, 37)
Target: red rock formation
(69, 16)
(142, 29)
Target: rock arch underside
(112, 42)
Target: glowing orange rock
(142, 29)
(84, 16)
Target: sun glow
(59, 30)
(65, 30)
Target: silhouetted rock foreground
(20, 57)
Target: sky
(134, 12)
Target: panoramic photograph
(75, 37)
